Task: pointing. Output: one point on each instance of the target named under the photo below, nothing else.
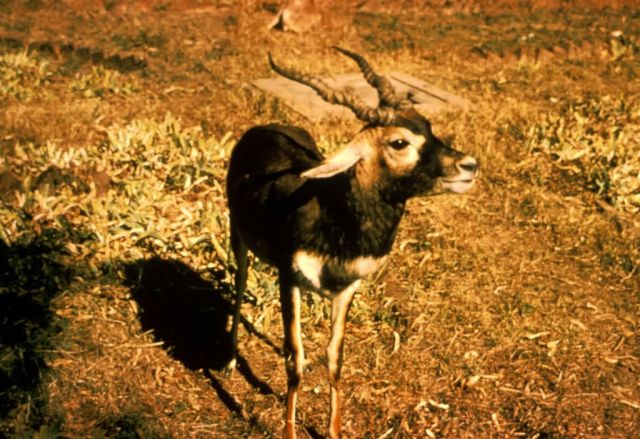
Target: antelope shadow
(182, 309)
(190, 315)
(33, 272)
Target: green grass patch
(598, 137)
(22, 74)
(101, 82)
(151, 166)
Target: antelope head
(396, 151)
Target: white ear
(337, 163)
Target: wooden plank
(427, 98)
(422, 88)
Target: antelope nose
(468, 164)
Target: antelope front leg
(339, 310)
(293, 350)
(240, 252)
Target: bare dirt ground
(511, 311)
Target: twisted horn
(385, 90)
(376, 116)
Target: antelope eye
(398, 144)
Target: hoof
(230, 367)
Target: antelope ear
(337, 163)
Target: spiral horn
(375, 116)
(386, 92)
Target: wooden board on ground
(427, 98)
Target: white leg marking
(297, 335)
(297, 352)
(339, 309)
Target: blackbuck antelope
(297, 16)
(325, 223)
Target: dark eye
(398, 144)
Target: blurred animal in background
(297, 16)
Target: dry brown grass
(508, 312)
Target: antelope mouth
(458, 185)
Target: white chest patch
(364, 265)
(309, 265)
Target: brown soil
(512, 311)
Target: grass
(22, 75)
(597, 137)
(508, 312)
(101, 81)
(149, 165)
(141, 39)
